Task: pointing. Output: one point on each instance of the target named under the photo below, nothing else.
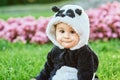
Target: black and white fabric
(65, 64)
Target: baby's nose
(66, 35)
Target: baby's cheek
(75, 42)
(58, 38)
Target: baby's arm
(85, 66)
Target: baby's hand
(33, 79)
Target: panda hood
(74, 16)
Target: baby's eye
(72, 32)
(62, 31)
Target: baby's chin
(67, 46)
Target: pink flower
(105, 21)
(26, 29)
(114, 35)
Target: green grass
(36, 15)
(21, 62)
(109, 56)
(24, 10)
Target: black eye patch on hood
(69, 13)
(60, 13)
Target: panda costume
(76, 63)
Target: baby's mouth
(67, 41)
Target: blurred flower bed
(26, 29)
(105, 21)
(104, 25)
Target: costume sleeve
(85, 65)
(45, 73)
(96, 61)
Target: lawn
(20, 61)
(25, 10)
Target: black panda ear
(78, 11)
(55, 9)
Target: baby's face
(66, 36)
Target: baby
(71, 58)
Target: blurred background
(40, 7)
(24, 44)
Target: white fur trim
(66, 73)
(79, 23)
(93, 77)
